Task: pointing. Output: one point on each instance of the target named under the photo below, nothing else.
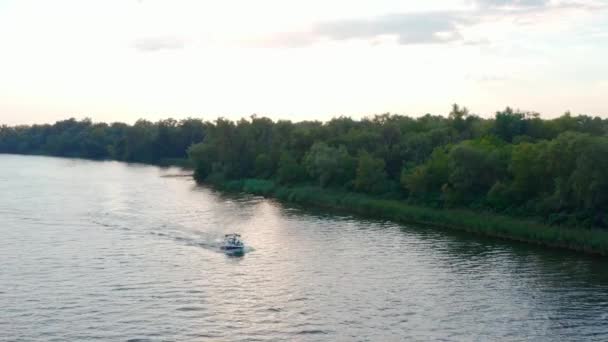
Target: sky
(121, 60)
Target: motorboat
(233, 243)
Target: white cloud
(431, 26)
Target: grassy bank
(530, 231)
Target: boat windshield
(233, 239)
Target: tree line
(514, 163)
(144, 141)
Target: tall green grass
(489, 224)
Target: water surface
(108, 251)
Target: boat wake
(204, 240)
(186, 236)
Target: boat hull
(232, 248)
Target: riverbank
(591, 241)
(184, 163)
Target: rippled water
(116, 252)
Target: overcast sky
(120, 60)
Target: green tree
(371, 176)
(475, 166)
(329, 165)
(425, 181)
(289, 170)
(509, 124)
(529, 172)
(590, 178)
(203, 155)
(263, 166)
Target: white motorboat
(233, 243)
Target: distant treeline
(145, 141)
(514, 163)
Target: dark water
(113, 252)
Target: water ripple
(116, 252)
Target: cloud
(435, 27)
(430, 27)
(409, 28)
(406, 28)
(152, 44)
(514, 4)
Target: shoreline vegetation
(590, 241)
(513, 175)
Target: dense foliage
(142, 142)
(515, 163)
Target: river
(109, 251)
